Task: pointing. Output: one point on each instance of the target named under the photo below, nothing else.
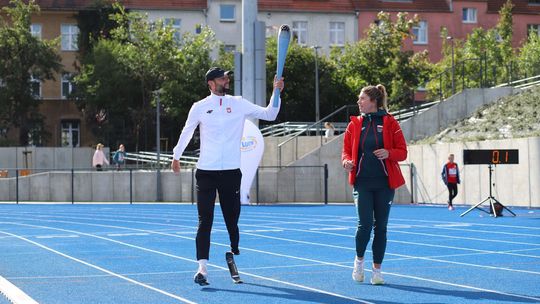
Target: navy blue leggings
(373, 208)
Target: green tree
(299, 73)
(379, 58)
(120, 74)
(529, 56)
(23, 56)
(482, 59)
(95, 23)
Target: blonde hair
(377, 93)
(99, 146)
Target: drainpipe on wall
(357, 25)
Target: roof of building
(63, 5)
(403, 5)
(342, 6)
(166, 4)
(520, 7)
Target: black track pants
(452, 192)
(227, 184)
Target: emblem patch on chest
(229, 110)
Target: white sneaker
(358, 271)
(376, 277)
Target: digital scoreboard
(491, 157)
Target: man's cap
(216, 72)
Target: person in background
(450, 177)
(329, 132)
(373, 145)
(99, 158)
(119, 157)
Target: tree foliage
(529, 57)
(379, 58)
(23, 56)
(482, 59)
(299, 73)
(121, 74)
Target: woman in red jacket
(372, 147)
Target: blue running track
(145, 253)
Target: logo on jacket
(379, 128)
(248, 143)
(209, 111)
(229, 110)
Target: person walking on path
(450, 177)
(99, 159)
(373, 145)
(220, 118)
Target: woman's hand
(348, 165)
(381, 153)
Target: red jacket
(393, 141)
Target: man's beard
(222, 89)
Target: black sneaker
(200, 279)
(235, 251)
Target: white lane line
(330, 228)
(58, 236)
(166, 272)
(318, 224)
(335, 234)
(453, 225)
(98, 268)
(264, 230)
(461, 254)
(128, 234)
(406, 256)
(275, 254)
(330, 233)
(13, 293)
(476, 224)
(178, 257)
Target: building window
(533, 29)
(175, 24)
(227, 12)
(420, 33)
(70, 133)
(337, 33)
(534, 2)
(35, 30)
(70, 35)
(469, 15)
(271, 31)
(229, 48)
(34, 136)
(68, 86)
(35, 87)
(299, 31)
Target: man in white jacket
(220, 118)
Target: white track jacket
(221, 123)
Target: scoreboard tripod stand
(491, 199)
(490, 158)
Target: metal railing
(150, 159)
(524, 84)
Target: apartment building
(327, 24)
(460, 17)
(63, 120)
(323, 23)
